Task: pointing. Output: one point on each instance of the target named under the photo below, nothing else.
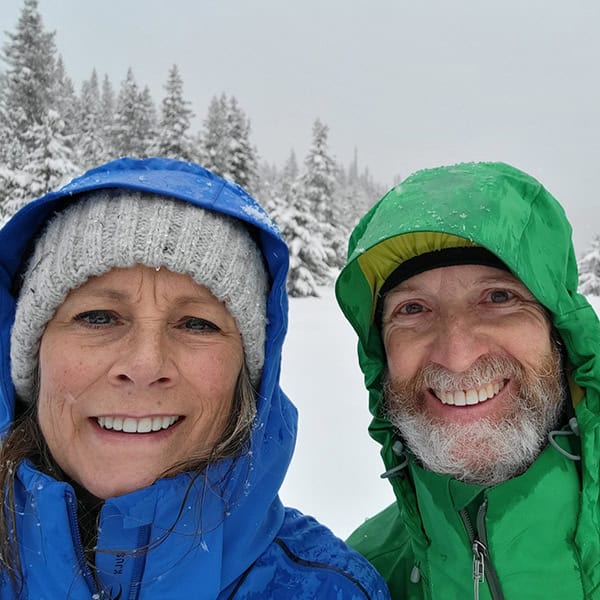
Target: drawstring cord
(574, 430)
(398, 450)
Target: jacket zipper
(138, 565)
(85, 569)
(483, 569)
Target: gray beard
(487, 451)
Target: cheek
(59, 382)
(61, 378)
(403, 360)
(216, 370)
(528, 340)
(213, 389)
(66, 368)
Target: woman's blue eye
(197, 324)
(97, 318)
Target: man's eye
(97, 318)
(197, 324)
(411, 308)
(500, 296)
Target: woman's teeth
(472, 396)
(131, 425)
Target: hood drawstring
(398, 450)
(574, 430)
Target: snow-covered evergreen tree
(319, 186)
(148, 123)
(289, 175)
(266, 191)
(30, 120)
(308, 257)
(213, 139)
(134, 125)
(66, 103)
(589, 269)
(357, 192)
(107, 112)
(174, 140)
(30, 56)
(224, 143)
(241, 155)
(50, 164)
(91, 147)
(319, 179)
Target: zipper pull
(478, 567)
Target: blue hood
(254, 512)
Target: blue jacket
(237, 543)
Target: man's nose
(459, 341)
(144, 359)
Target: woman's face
(137, 372)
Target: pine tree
(107, 112)
(357, 191)
(30, 55)
(92, 149)
(291, 171)
(267, 188)
(213, 140)
(319, 186)
(319, 179)
(241, 155)
(34, 86)
(134, 125)
(224, 143)
(308, 257)
(50, 164)
(589, 270)
(148, 122)
(66, 103)
(173, 137)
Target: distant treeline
(49, 132)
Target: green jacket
(541, 529)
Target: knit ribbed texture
(110, 229)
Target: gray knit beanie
(117, 228)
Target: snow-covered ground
(334, 474)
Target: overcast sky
(409, 83)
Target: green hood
(509, 213)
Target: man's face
(473, 381)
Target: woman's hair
(25, 441)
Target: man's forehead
(466, 276)
(433, 260)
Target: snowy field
(334, 474)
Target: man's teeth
(472, 396)
(131, 425)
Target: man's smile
(471, 396)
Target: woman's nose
(144, 359)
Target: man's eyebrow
(508, 278)
(408, 287)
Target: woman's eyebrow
(105, 293)
(114, 294)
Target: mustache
(489, 368)
(486, 369)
